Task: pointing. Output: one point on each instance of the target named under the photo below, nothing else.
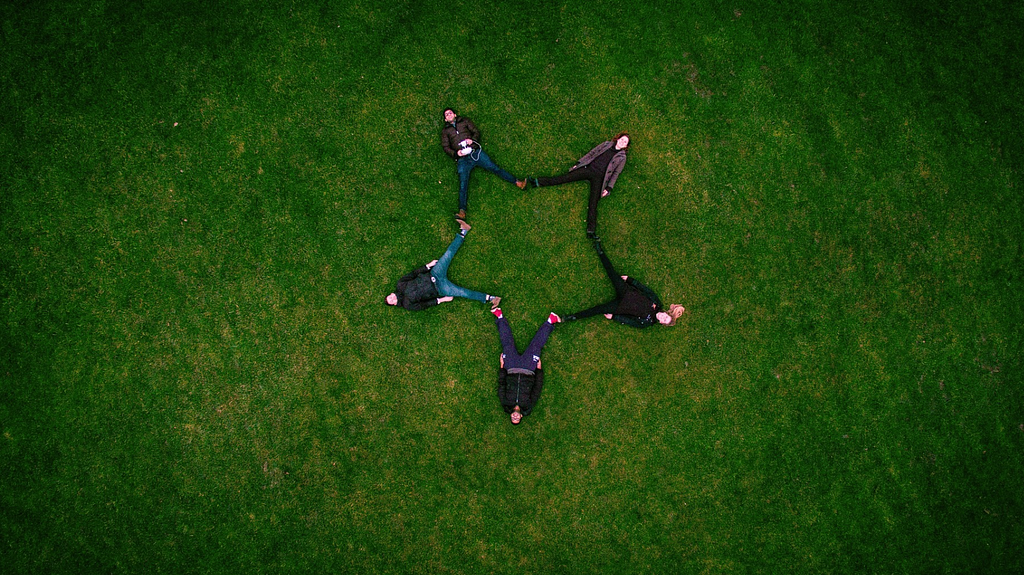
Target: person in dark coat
(634, 305)
(601, 167)
(461, 141)
(429, 285)
(520, 378)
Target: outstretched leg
(464, 167)
(508, 342)
(576, 175)
(446, 287)
(617, 282)
(485, 162)
(537, 343)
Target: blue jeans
(465, 166)
(440, 274)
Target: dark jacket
(416, 290)
(452, 135)
(638, 307)
(519, 389)
(615, 165)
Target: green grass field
(203, 205)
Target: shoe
(553, 318)
(597, 245)
(460, 215)
(592, 235)
(532, 181)
(463, 224)
(570, 318)
(495, 300)
(521, 184)
(497, 312)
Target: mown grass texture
(203, 207)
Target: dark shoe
(570, 318)
(592, 235)
(532, 181)
(460, 215)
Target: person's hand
(465, 143)
(431, 264)
(608, 315)
(624, 278)
(464, 151)
(501, 361)
(444, 299)
(538, 364)
(605, 193)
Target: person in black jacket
(520, 378)
(429, 285)
(634, 305)
(461, 141)
(600, 167)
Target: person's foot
(553, 318)
(597, 245)
(521, 184)
(460, 215)
(532, 181)
(495, 300)
(593, 235)
(570, 318)
(463, 224)
(497, 312)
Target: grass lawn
(203, 205)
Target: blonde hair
(674, 311)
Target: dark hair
(452, 110)
(619, 135)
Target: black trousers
(590, 174)
(620, 290)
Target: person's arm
(613, 171)
(473, 132)
(414, 274)
(538, 386)
(419, 305)
(446, 144)
(631, 321)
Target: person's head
(621, 141)
(392, 298)
(669, 317)
(516, 416)
(449, 115)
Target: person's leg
(440, 272)
(440, 269)
(508, 342)
(445, 287)
(485, 162)
(607, 307)
(570, 176)
(533, 350)
(595, 195)
(617, 282)
(464, 166)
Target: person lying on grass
(520, 378)
(461, 141)
(635, 304)
(429, 285)
(601, 167)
